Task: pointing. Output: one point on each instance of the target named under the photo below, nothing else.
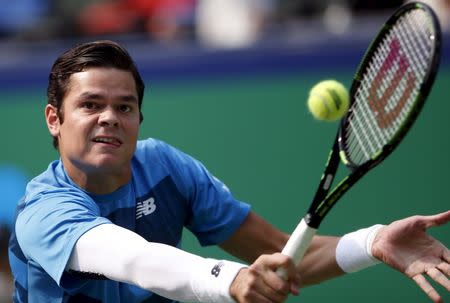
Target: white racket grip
(297, 244)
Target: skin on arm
(256, 237)
(403, 245)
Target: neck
(98, 181)
(100, 184)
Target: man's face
(100, 122)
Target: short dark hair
(103, 53)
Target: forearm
(124, 256)
(319, 263)
(256, 237)
(329, 257)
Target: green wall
(256, 135)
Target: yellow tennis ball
(328, 100)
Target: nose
(108, 117)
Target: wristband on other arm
(354, 250)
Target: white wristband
(354, 250)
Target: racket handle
(297, 244)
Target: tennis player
(104, 222)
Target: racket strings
(389, 87)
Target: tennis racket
(388, 92)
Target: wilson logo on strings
(386, 113)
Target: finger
(275, 261)
(255, 297)
(258, 298)
(295, 285)
(446, 255)
(283, 265)
(276, 283)
(295, 289)
(292, 276)
(444, 268)
(439, 277)
(281, 275)
(266, 290)
(436, 220)
(427, 288)
(278, 287)
(291, 270)
(253, 288)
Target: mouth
(108, 141)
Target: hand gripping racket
(388, 91)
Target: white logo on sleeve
(145, 207)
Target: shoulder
(51, 202)
(155, 159)
(51, 188)
(153, 151)
(53, 179)
(153, 146)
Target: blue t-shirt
(169, 190)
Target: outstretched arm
(119, 254)
(405, 246)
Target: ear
(52, 119)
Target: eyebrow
(94, 96)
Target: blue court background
(243, 114)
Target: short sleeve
(48, 227)
(214, 213)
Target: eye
(89, 105)
(125, 108)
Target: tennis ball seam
(324, 102)
(335, 97)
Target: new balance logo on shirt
(145, 207)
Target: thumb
(437, 220)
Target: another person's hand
(259, 283)
(405, 246)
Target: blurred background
(227, 82)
